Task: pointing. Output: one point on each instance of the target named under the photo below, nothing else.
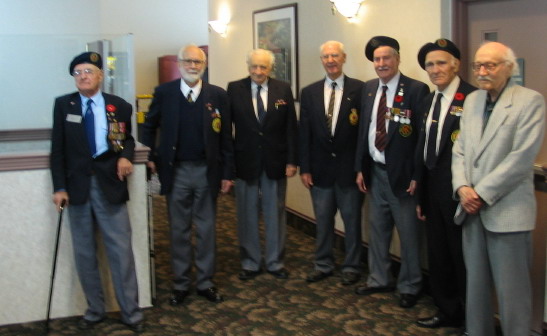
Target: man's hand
(226, 185)
(125, 168)
(290, 170)
(152, 166)
(59, 198)
(412, 188)
(419, 213)
(307, 180)
(470, 200)
(361, 182)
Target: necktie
(260, 105)
(330, 110)
(189, 97)
(89, 123)
(431, 154)
(380, 141)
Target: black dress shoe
(318, 276)
(211, 294)
(136, 327)
(349, 278)
(247, 274)
(366, 290)
(280, 273)
(85, 324)
(177, 297)
(439, 320)
(408, 300)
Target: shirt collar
(451, 89)
(339, 81)
(263, 85)
(196, 89)
(392, 84)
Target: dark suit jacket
(71, 162)
(441, 175)
(271, 146)
(328, 158)
(400, 148)
(164, 113)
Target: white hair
(263, 52)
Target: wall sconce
(219, 26)
(348, 8)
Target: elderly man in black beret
(388, 132)
(442, 110)
(91, 153)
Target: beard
(191, 77)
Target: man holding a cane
(91, 153)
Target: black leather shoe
(177, 297)
(366, 290)
(85, 324)
(408, 300)
(247, 274)
(349, 278)
(136, 327)
(439, 320)
(318, 276)
(280, 273)
(211, 294)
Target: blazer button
(174, 148)
(333, 154)
(260, 133)
(171, 163)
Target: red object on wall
(168, 69)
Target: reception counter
(28, 222)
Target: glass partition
(35, 70)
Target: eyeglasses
(77, 73)
(191, 61)
(488, 66)
(325, 57)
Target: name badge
(75, 118)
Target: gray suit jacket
(499, 164)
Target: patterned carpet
(263, 306)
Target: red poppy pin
(111, 108)
(459, 96)
(398, 98)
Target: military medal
(216, 123)
(353, 117)
(456, 110)
(405, 130)
(116, 130)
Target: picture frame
(275, 29)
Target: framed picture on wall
(275, 29)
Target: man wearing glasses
(91, 153)
(492, 167)
(329, 123)
(194, 162)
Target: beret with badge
(379, 41)
(440, 44)
(87, 57)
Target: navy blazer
(329, 158)
(271, 146)
(441, 174)
(164, 113)
(401, 139)
(71, 162)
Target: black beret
(87, 57)
(440, 44)
(379, 41)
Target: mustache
(484, 78)
(382, 68)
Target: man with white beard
(194, 161)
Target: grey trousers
(113, 222)
(271, 194)
(326, 202)
(504, 261)
(191, 201)
(388, 211)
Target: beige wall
(411, 22)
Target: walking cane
(54, 263)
